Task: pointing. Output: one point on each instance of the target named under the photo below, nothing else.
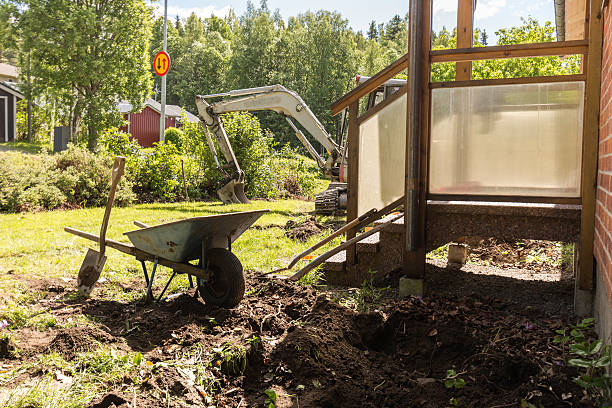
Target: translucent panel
(521, 140)
(382, 145)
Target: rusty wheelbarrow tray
(207, 239)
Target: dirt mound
(314, 352)
(73, 340)
(301, 231)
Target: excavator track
(331, 201)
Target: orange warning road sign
(161, 63)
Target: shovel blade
(90, 271)
(233, 193)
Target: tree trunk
(92, 137)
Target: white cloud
(445, 6)
(184, 12)
(489, 8)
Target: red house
(144, 125)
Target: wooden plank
(590, 141)
(417, 136)
(507, 199)
(349, 243)
(352, 206)
(370, 85)
(510, 51)
(508, 81)
(465, 37)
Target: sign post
(162, 58)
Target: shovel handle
(118, 167)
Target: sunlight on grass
(34, 245)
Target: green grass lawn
(34, 245)
(25, 147)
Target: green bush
(71, 179)
(156, 174)
(268, 173)
(174, 136)
(118, 143)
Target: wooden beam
(352, 206)
(510, 51)
(508, 81)
(370, 85)
(590, 140)
(417, 136)
(503, 198)
(465, 37)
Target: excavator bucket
(233, 192)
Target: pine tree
(484, 38)
(372, 31)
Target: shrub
(156, 174)
(268, 173)
(73, 178)
(119, 143)
(174, 136)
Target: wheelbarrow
(207, 240)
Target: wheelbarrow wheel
(225, 287)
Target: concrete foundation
(410, 287)
(601, 310)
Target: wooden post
(353, 178)
(590, 140)
(417, 136)
(465, 37)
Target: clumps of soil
(535, 255)
(301, 231)
(292, 186)
(70, 341)
(7, 349)
(111, 400)
(315, 352)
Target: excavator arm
(275, 98)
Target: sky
(491, 15)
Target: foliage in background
(94, 53)
(156, 173)
(174, 136)
(41, 122)
(529, 32)
(71, 179)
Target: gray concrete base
(410, 287)
(583, 302)
(457, 253)
(601, 310)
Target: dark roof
(173, 111)
(7, 88)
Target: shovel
(94, 261)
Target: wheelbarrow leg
(150, 283)
(146, 275)
(166, 287)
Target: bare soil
(496, 332)
(301, 231)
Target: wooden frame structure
(418, 132)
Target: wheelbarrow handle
(118, 167)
